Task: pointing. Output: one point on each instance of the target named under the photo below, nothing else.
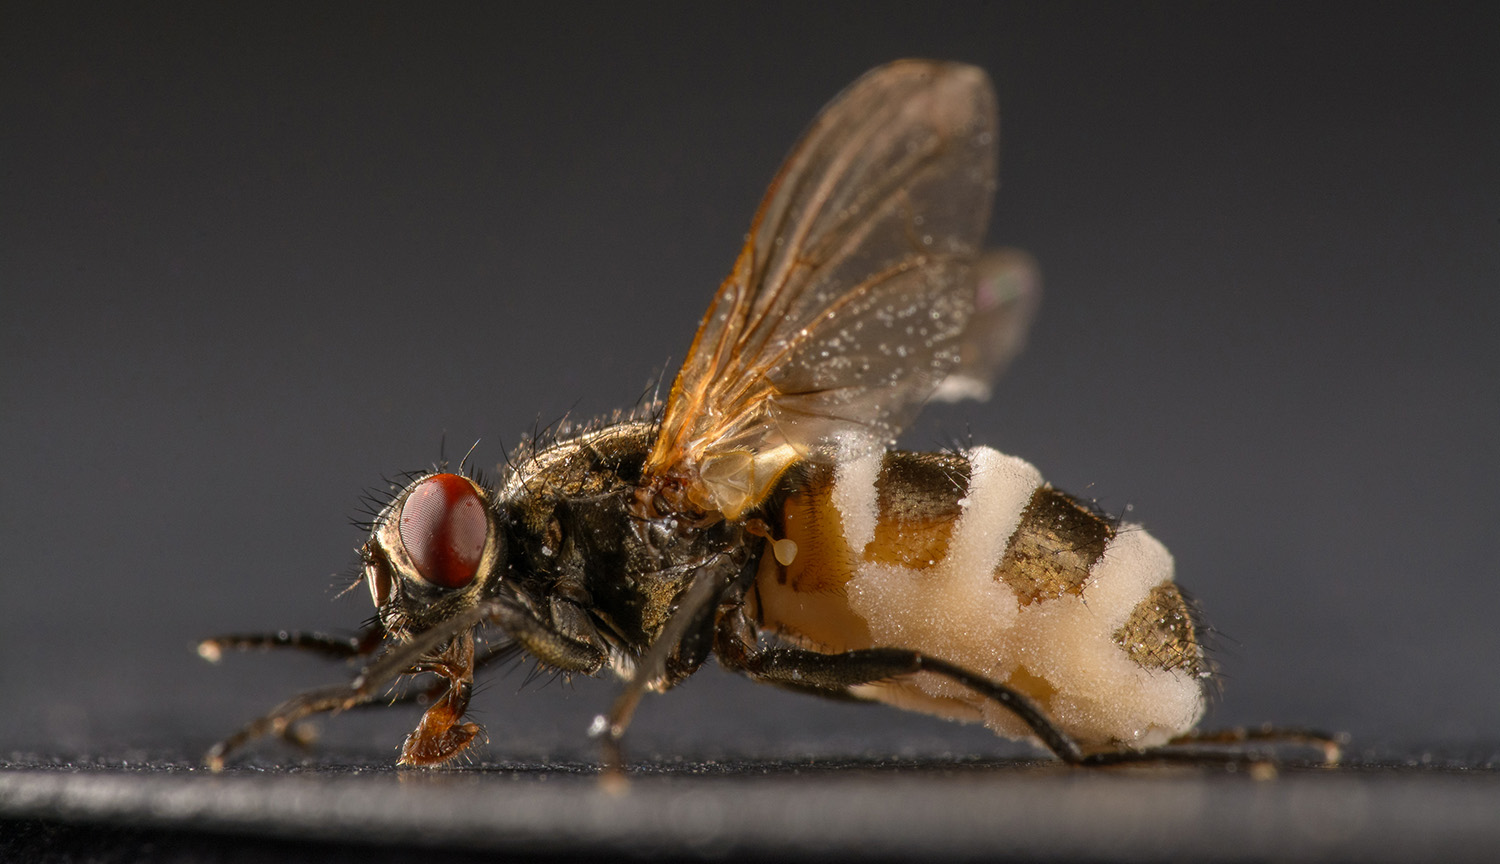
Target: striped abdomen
(973, 559)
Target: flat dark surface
(866, 809)
(252, 259)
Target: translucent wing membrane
(1007, 289)
(847, 305)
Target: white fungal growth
(1061, 650)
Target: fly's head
(434, 551)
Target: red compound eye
(443, 527)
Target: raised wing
(1007, 288)
(846, 307)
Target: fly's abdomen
(972, 558)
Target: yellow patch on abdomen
(914, 501)
(805, 600)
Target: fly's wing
(847, 305)
(1007, 288)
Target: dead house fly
(762, 516)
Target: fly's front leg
(333, 647)
(423, 695)
(440, 735)
(397, 660)
(445, 650)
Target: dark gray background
(252, 260)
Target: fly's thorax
(970, 557)
(573, 510)
(593, 462)
(564, 508)
(555, 496)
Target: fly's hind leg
(1228, 747)
(738, 648)
(1329, 745)
(836, 673)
